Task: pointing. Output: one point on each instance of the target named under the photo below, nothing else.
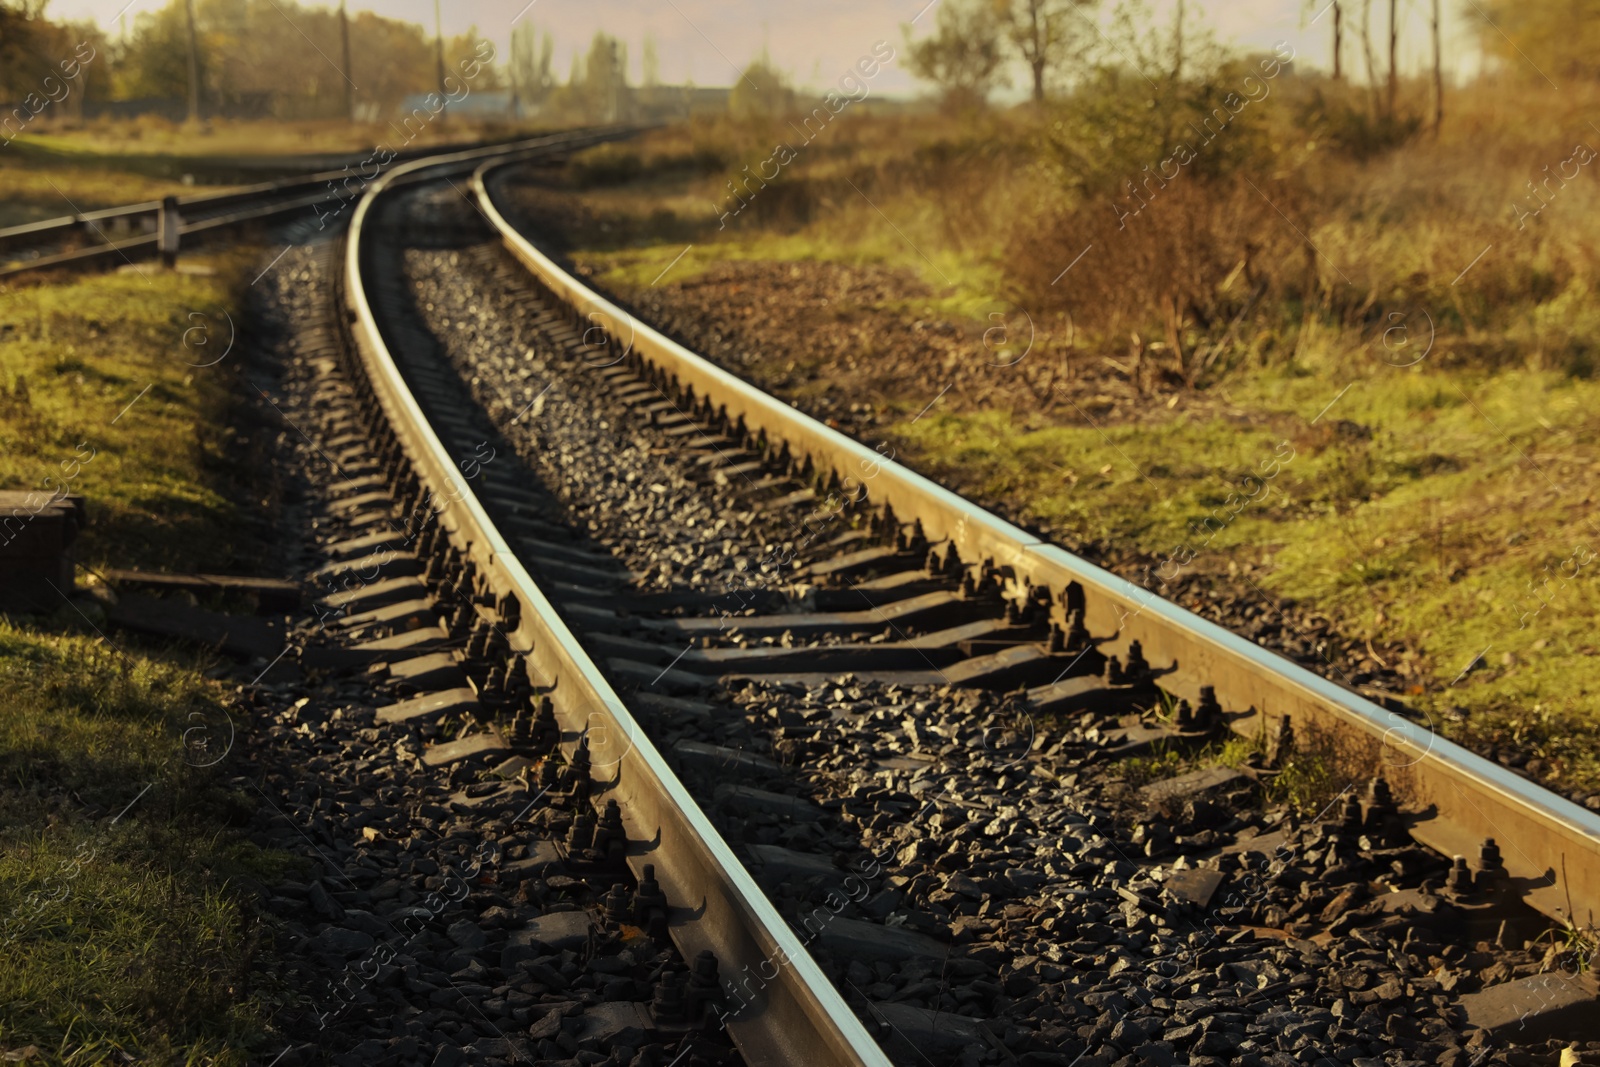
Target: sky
(816, 41)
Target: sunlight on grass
(965, 288)
(1436, 509)
(1426, 487)
(76, 356)
(150, 134)
(1308, 780)
(37, 189)
(123, 915)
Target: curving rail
(203, 212)
(717, 905)
(1551, 846)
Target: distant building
(483, 104)
(680, 101)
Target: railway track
(1065, 619)
(717, 906)
(816, 752)
(875, 584)
(1458, 797)
(131, 231)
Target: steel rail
(1551, 846)
(145, 246)
(62, 225)
(31, 232)
(798, 1017)
(142, 247)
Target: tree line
(975, 43)
(297, 60)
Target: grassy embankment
(46, 185)
(124, 927)
(1439, 495)
(148, 135)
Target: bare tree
(1366, 54)
(964, 57)
(1338, 41)
(1045, 33)
(1438, 73)
(1394, 69)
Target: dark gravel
(1049, 878)
(423, 919)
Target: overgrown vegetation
(125, 373)
(124, 920)
(1307, 780)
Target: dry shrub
(701, 146)
(1344, 118)
(1187, 268)
(1333, 227)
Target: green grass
(1414, 510)
(45, 187)
(1308, 781)
(104, 164)
(1163, 761)
(162, 476)
(123, 906)
(1417, 511)
(962, 285)
(121, 934)
(146, 136)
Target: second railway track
(129, 232)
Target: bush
(1119, 127)
(1354, 130)
(1176, 199)
(607, 164)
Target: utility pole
(1366, 56)
(1177, 44)
(194, 66)
(1438, 74)
(438, 41)
(1394, 69)
(1338, 41)
(344, 41)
